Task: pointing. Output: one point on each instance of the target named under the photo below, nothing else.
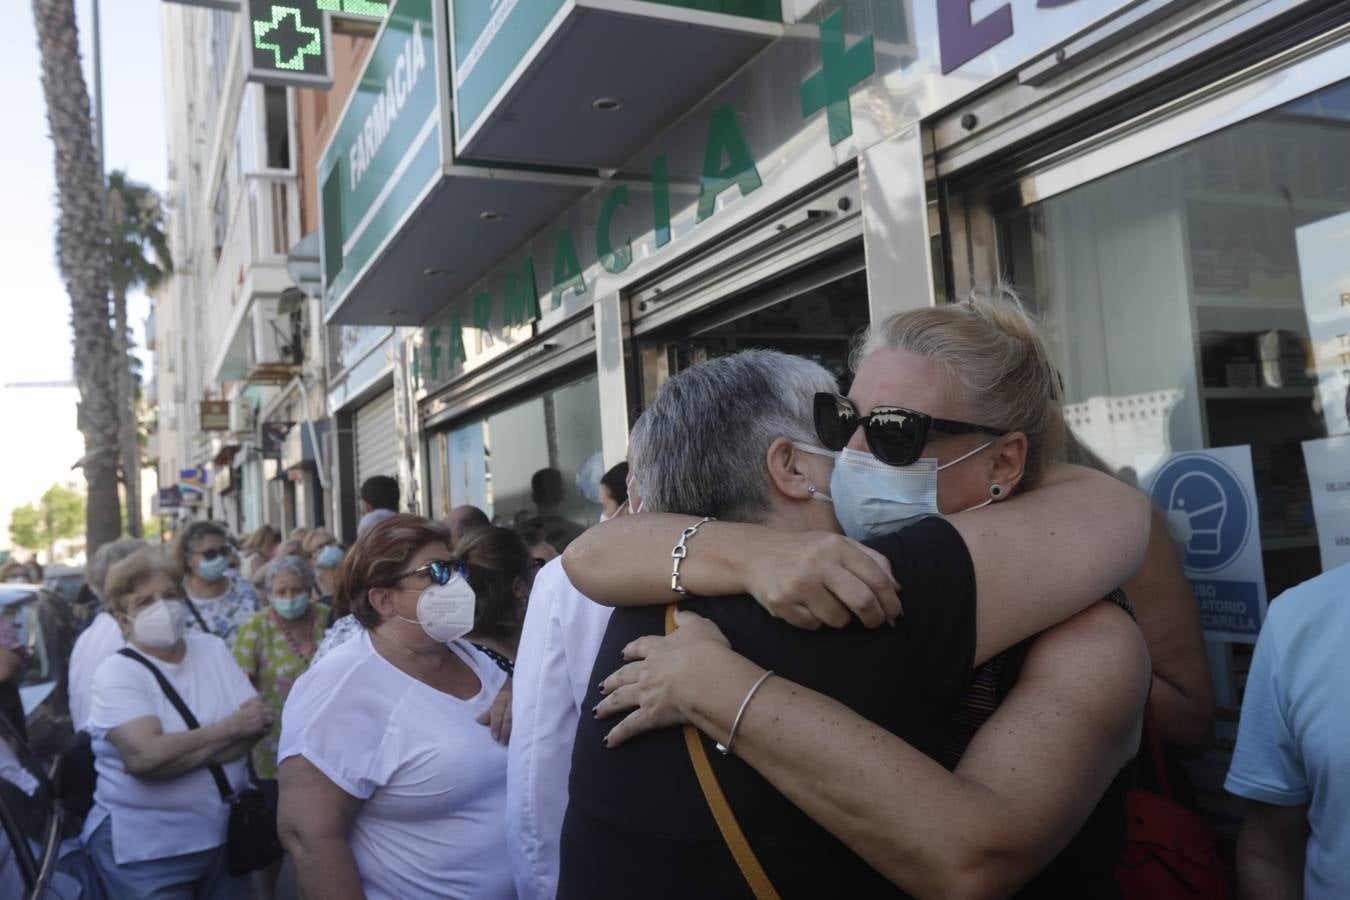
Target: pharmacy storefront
(557, 207)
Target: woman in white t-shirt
(390, 787)
(158, 823)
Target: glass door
(815, 316)
(1197, 302)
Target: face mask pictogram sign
(1208, 498)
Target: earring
(995, 491)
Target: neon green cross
(840, 71)
(295, 63)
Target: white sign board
(1209, 499)
(1328, 461)
(1324, 268)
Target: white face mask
(161, 624)
(872, 498)
(446, 611)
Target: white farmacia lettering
(380, 120)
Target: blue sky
(35, 342)
(39, 347)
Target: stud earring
(996, 491)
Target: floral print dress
(225, 614)
(273, 662)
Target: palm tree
(135, 229)
(82, 254)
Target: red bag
(1170, 852)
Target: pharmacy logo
(1206, 508)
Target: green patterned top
(269, 659)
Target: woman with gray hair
(274, 648)
(103, 637)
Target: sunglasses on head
(895, 435)
(440, 571)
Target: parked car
(48, 630)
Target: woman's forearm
(163, 756)
(796, 738)
(627, 561)
(1184, 723)
(324, 867)
(236, 749)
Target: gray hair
(700, 448)
(107, 556)
(293, 564)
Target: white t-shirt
(154, 819)
(96, 643)
(432, 779)
(563, 632)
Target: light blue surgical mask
(211, 569)
(290, 607)
(872, 498)
(328, 557)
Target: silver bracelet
(682, 550)
(725, 749)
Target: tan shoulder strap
(754, 873)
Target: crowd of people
(903, 641)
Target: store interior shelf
(1294, 542)
(1258, 393)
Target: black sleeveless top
(637, 822)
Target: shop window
(818, 323)
(531, 466)
(1191, 301)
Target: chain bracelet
(681, 550)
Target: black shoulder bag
(251, 841)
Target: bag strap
(740, 848)
(222, 783)
(192, 608)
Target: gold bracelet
(725, 749)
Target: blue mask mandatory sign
(1209, 501)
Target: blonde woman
(158, 823)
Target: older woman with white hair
(158, 825)
(274, 648)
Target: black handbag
(251, 841)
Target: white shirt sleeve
(119, 695)
(562, 633)
(1267, 765)
(350, 735)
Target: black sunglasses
(440, 571)
(213, 553)
(895, 435)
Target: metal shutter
(376, 439)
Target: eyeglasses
(895, 435)
(213, 553)
(440, 571)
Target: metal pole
(98, 94)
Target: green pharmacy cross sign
(840, 70)
(286, 41)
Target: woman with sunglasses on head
(953, 409)
(218, 602)
(390, 786)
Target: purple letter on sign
(960, 40)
